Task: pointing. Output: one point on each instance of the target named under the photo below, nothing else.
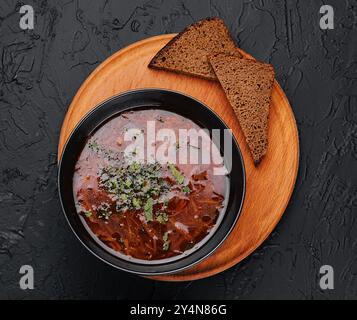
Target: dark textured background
(41, 70)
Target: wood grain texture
(269, 186)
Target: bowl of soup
(151, 181)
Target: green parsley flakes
(148, 210)
(166, 244)
(186, 189)
(179, 177)
(88, 214)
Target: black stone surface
(40, 72)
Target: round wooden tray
(269, 186)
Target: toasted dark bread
(248, 85)
(187, 53)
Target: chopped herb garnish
(128, 183)
(93, 145)
(166, 244)
(88, 214)
(139, 186)
(148, 209)
(136, 186)
(109, 154)
(186, 189)
(136, 203)
(162, 218)
(134, 167)
(179, 177)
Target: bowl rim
(112, 99)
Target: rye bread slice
(248, 85)
(187, 53)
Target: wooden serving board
(268, 187)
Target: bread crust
(153, 63)
(257, 138)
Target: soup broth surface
(147, 210)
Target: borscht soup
(144, 188)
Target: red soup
(147, 210)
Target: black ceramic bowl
(152, 99)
